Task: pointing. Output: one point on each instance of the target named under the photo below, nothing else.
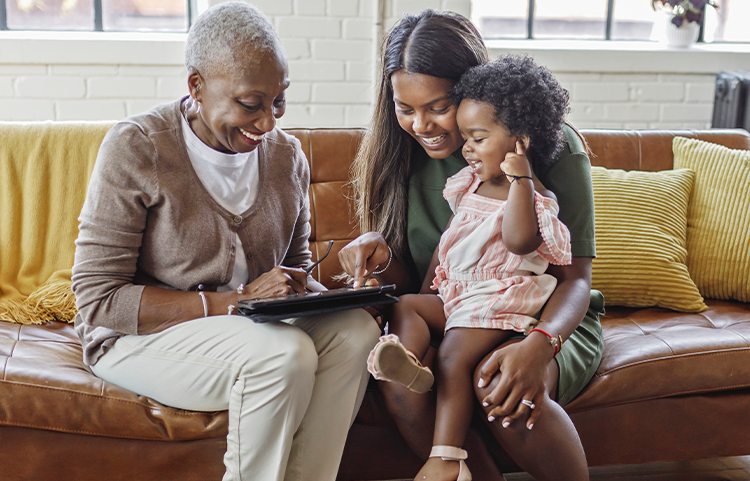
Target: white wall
(329, 45)
(634, 84)
(640, 100)
(87, 76)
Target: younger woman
(492, 256)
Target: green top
(569, 177)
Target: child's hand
(516, 163)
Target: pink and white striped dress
(482, 284)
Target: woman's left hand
(522, 368)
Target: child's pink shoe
(390, 361)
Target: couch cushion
(330, 153)
(656, 353)
(641, 223)
(719, 218)
(44, 384)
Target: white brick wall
(329, 47)
(640, 101)
(86, 92)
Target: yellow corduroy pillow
(641, 223)
(718, 235)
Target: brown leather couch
(670, 386)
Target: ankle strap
(448, 453)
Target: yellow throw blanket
(44, 170)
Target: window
(95, 15)
(599, 20)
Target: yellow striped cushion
(718, 236)
(641, 221)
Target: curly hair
(527, 100)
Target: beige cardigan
(148, 220)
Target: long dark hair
(438, 44)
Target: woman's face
(425, 111)
(487, 139)
(237, 108)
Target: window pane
(50, 14)
(145, 15)
(634, 20)
(501, 18)
(570, 19)
(729, 22)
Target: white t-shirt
(232, 180)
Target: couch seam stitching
(95, 433)
(10, 354)
(664, 396)
(180, 412)
(5, 366)
(664, 359)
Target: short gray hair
(219, 34)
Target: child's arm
(430, 276)
(539, 187)
(520, 224)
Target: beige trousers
(292, 388)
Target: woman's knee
(357, 332)
(295, 360)
(517, 430)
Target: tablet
(314, 303)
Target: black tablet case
(260, 310)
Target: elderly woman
(193, 206)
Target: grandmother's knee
(358, 331)
(297, 360)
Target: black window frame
(98, 22)
(608, 25)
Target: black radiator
(732, 100)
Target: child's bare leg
(458, 356)
(413, 319)
(414, 415)
(552, 450)
(398, 356)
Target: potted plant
(684, 19)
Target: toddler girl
(489, 268)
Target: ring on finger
(528, 403)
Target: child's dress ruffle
(482, 284)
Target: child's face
(487, 139)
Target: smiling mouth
(432, 141)
(252, 137)
(475, 164)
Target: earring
(195, 101)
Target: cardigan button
(237, 219)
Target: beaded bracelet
(390, 257)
